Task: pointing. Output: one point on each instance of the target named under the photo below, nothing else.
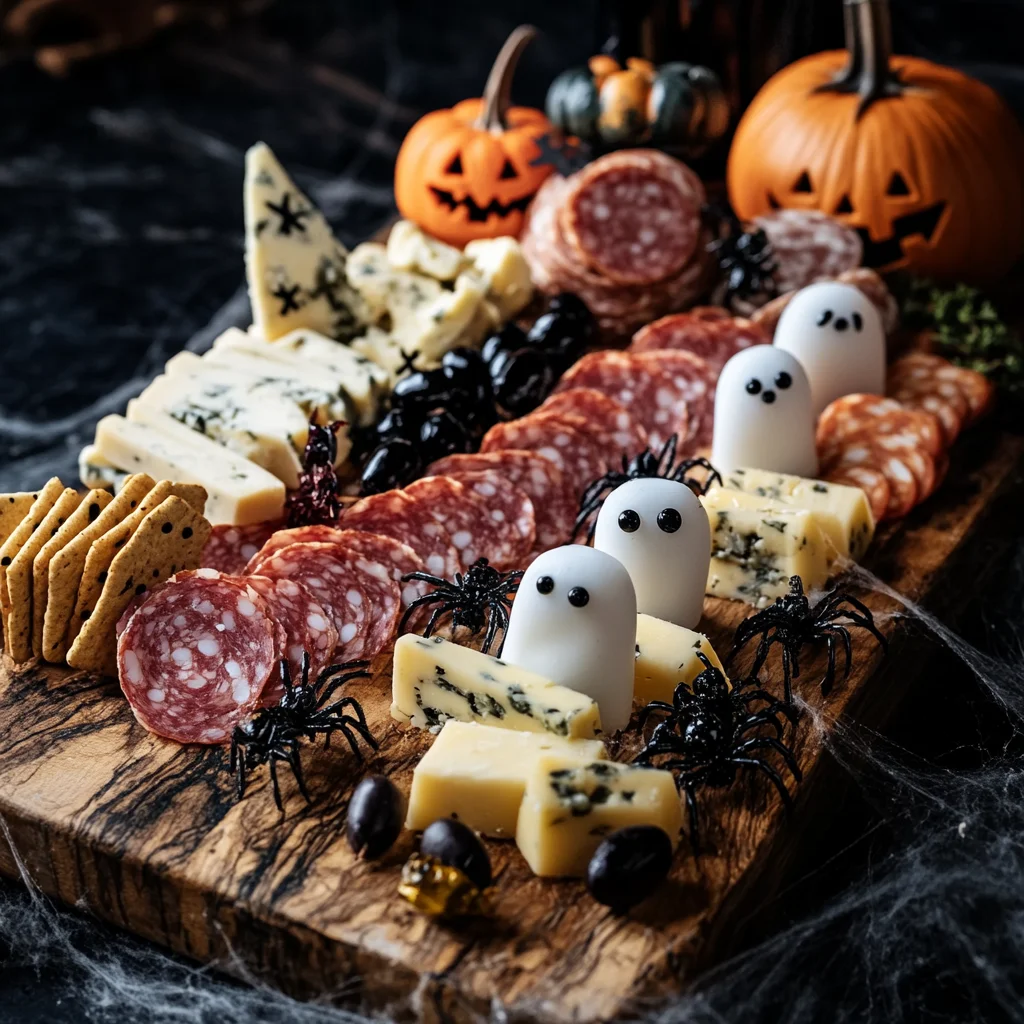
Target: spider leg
(830, 671)
(238, 767)
(760, 718)
(357, 670)
(761, 742)
(689, 787)
(492, 628)
(435, 616)
(295, 763)
(274, 757)
(418, 602)
(776, 778)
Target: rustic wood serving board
(147, 834)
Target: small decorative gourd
(471, 171)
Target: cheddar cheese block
(666, 655)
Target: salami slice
(871, 283)
(634, 216)
(645, 388)
(809, 244)
(694, 381)
(715, 340)
(904, 491)
(511, 509)
(871, 481)
(230, 547)
(296, 535)
(920, 374)
(396, 514)
(358, 593)
(624, 432)
(307, 626)
(858, 414)
(398, 558)
(539, 478)
(196, 657)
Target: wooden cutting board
(148, 835)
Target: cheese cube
(435, 681)
(477, 774)
(666, 655)
(409, 248)
(755, 551)
(390, 294)
(239, 492)
(846, 513)
(505, 273)
(569, 808)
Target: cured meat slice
(904, 491)
(694, 380)
(581, 451)
(508, 506)
(196, 657)
(540, 479)
(715, 340)
(307, 626)
(399, 515)
(398, 558)
(231, 547)
(634, 216)
(871, 481)
(858, 414)
(645, 388)
(809, 244)
(296, 535)
(358, 593)
(920, 374)
(624, 432)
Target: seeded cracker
(37, 511)
(66, 567)
(18, 634)
(86, 514)
(13, 508)
(169, 539)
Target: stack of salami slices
(895, 448)
(809, 245)
(624, 234)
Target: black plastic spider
(644, 464)
(745, 258)
(272, 734)
(315, 501)
(706, 736)
(792, 623)
(481, 595)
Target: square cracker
(13, 508)
(65, 571)
(171, 538)
(86, 513)
(18, 634)
(37, 512)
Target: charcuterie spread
(508, 460)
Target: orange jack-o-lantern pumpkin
(924, 161)
(469, 172)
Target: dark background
(121, 242)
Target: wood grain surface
(148, 835)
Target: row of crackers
(71, 564)
(895, 448)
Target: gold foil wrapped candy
(439, 890)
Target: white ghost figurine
(763, 414)
(574, 621)
(659, 531)
(837, 334)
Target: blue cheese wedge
(500, 263)
(568, 808)
(391, 295)
(409, 248)
(436, 681)
(755, 551)
(295, 266)
(845, 511)
(666, 655)
(477, 775)
(96, 472)
(239, 491)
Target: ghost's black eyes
(783, 380)
(578, 597)
(858, 321)
(545, 584)
(669, 520)
(629, 521)
(753, 386)
(825, 317)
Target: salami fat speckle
(809, 244)
(195, 658)
(231, 547)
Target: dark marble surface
(121, 242)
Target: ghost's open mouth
(477, 212)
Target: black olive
(464, 367)
(629, 865)
(522, 380)
(457, 845)
(508, 339)
(394, 463)
(422, 387)
(376, 814)
(571, 306)
(558, 335)
(441, 434)
(403, 423)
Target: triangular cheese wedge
(295, 265)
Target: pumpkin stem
(498, 90)
(868, 30)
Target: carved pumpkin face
(459, 181)
(928, 175)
